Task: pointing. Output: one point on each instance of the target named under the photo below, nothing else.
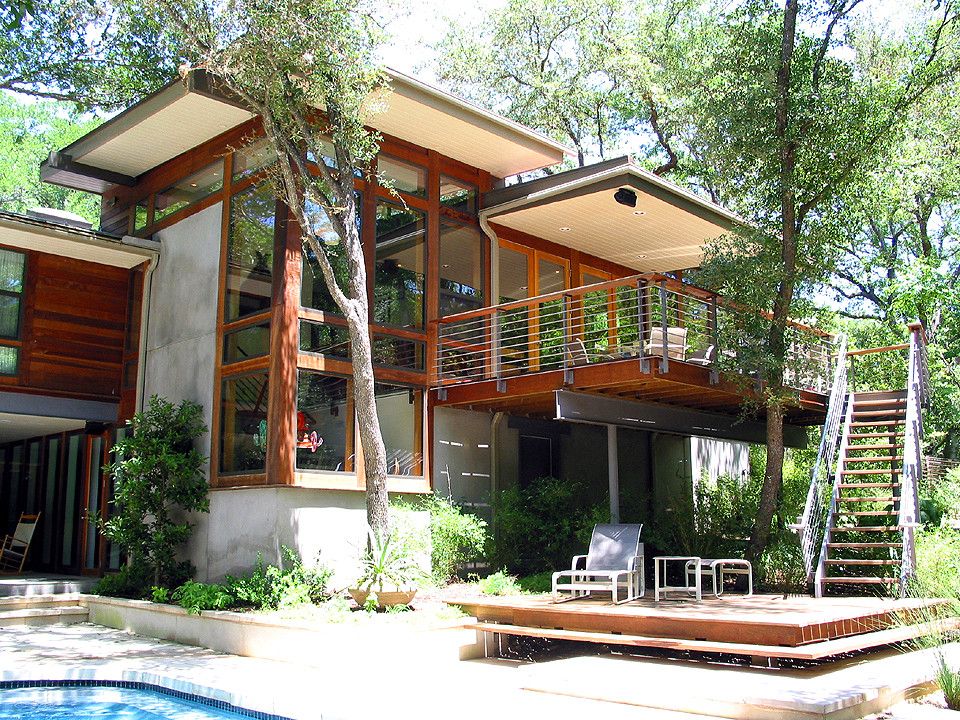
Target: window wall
(12, 277)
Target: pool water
(103, 703)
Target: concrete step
(38, 616)
(33, 585)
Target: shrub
(387, 562)
(500, 583)
(271, 587)
(158, 475)
(937, 572)
(456, 537)
(781, 567)
(941, 503)
(539, 583)
(195, 596)
(949, 681)
(542, 526)
(132, 581)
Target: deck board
(766, 620)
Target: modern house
(538, 328)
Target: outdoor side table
(660, 576)
(717, 569)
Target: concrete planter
(385, 598)
(313, 644)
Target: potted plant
(388, 573)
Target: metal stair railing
(821, 571)
(917, 399)
(811, 525)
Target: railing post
(497, 359)
(715, 338)
(441, 388)
(665, 362)
(567, 341)
(642, 325)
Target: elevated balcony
(648, 338)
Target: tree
(581, 71)
(28, 132)
(788, 122)
(83, 52)
(158, 476)
(307, 68)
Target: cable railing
(649, 317)
(811, 525)
(918, 388)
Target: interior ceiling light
(626, 196)
(640, 257)
(564, 229)
(444, 266)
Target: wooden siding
(74, 327)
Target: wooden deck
(761, 625)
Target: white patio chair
(613, 562)
(676, 342)
(13, 550)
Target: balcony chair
(13, 551)
(676, 342)
(704, 357)
(613, 561)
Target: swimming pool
(111, 703)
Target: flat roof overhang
(658, 417)
(183, 115)
(666, 230)
(42, 236)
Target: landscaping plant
(387, 563)
(271, 587)
(158, 478)
(500, 583)
(195, 596)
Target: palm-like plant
(386, 562)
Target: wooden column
(284, 347)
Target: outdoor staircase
(864, 543)
(858, 525)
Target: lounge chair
(676, 342)
(614, 561)
(13, 551)
(703, 357)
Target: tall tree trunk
(776, 339)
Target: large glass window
(332, 340)
(398, 352)
(243, 424)
(458, 195)
(12, 268)
(400, 410)
(252, 158)
(324, 422)
(245, 343)
(313, 288)
(461, 268)
(405, 177)
(188, 191)
(250, 252)
(400, 266)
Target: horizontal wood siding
(74, 327)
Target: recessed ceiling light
(444, 266)
(564, 229)
(639, 212)
(523, 287)
(193, 184)
(640, 257)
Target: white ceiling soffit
(665, 231)
(64, 242)
(20, 427)
(144, 140)
(431, 118)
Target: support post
(613, 473)
(665, 356)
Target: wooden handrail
(870, 351)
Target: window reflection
(243, 424)
(400, 264)
(250, 252)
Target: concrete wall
(462, 466)
(711, 458)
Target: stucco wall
(711, 458)
(462, 455)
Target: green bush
(132, 581)
(949, 681)
(270, 587)
(941, 501)
(456, 537)
(781, 567)
(937, 572)
(539, 583)
(542, 526)
(500, 583)
(195, 596)
(158, 476)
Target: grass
(949, 681)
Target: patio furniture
(660, 577)
(703, 357)
(13, 550)
(613, 561)
(676, 342)
(716, 569)
(577, 353)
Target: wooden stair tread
(890, 402)
(873, 459)
(870, 472)
(885, 446)
(887, 434)
(867, 485)
(874, 423)
(856, 561)
(864, 528)
(868, 513)
(892, 413)
(867, 499)
(861, 580)
(810, 651)
(864, 545)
